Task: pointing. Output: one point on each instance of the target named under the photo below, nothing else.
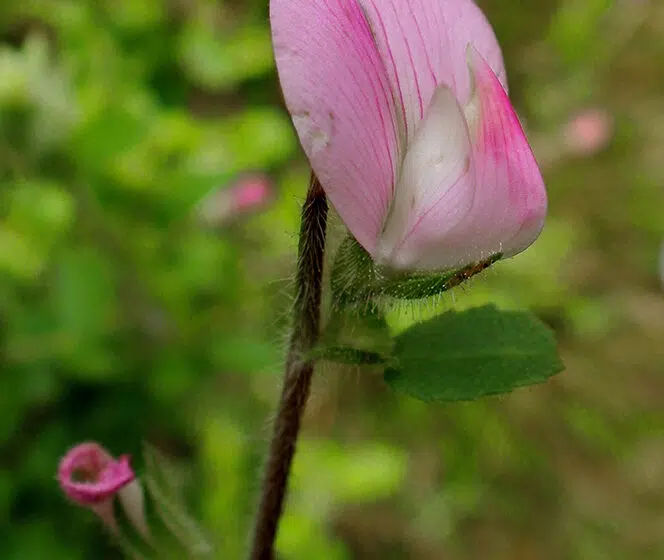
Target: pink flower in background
(251, 192)
(248, 193)
(401, 107)
(88, 474)
(588, 132)
(91, 477)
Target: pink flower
(588, 132)
(91, 477)
(89, 474)
(401, 107)
(248, 193)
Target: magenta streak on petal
(390, 55)
(358, 110)
(494, 137)
(412, 63)
(383, 88)
(511, 198)
(368, 98)
(426, 51)
(499, 206)
(423, 44)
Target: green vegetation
(124, 320)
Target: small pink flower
(91, 477)
(248, 193)
(88, 474)
(588, 132)
(402, 109)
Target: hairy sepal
(356, 282)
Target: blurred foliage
(123, 320)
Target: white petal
(435, 190)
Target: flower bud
(402, 109)
(91, 477)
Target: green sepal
(353, 275)
(356, 280)
(351, 337)
(348, 356)
(414, 286)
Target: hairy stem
(298, 372)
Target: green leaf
(471, 354)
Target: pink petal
(510, 201)
(423, 44)
(88, 474)
(250, 192)
(337, 91)
(435, 190)
(246, 194)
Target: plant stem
(298, 371)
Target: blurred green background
(123, 319)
